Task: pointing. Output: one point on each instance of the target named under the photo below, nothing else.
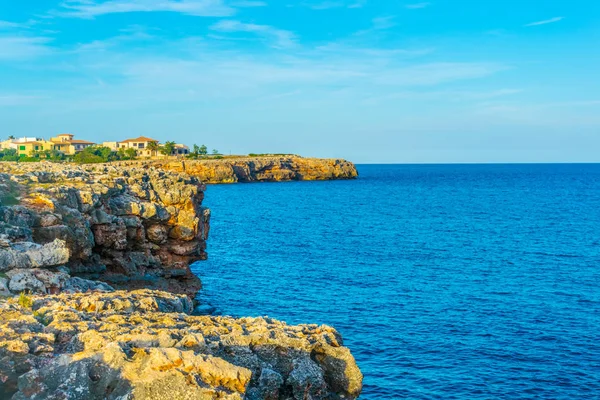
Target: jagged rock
(157, 234)
(144, 225)
(79, 285)
(23, 280)
(4, 291)
(32, 255)
(144, 345)
(262, 169)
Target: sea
(446, 281)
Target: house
(28, 148)
(114, 146)
(67, 145)
(8, 144)
(181, 149)
(141, 145)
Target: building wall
(140, 147)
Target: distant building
(28, 148)
(140, 144)
(67, 145)
(114, 146)
(181, 149)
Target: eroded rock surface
(263, 169)
(144, 345)
(129, 227)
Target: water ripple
(447, 282)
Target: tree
(11, 137)
(196, 150)
(153, 147)
(215, 152)
(203, 150)
(168, 148)
(130, 153)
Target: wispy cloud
(327, 5)
(279, 38)
(248, 3)
(438, 73)
(546, 21)
(416, 6)
(19, 47)
(91, 9)
(9, 25)
(377, 25)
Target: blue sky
(371, 81)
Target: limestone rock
(263, 169)
(145, 226)
(31, 255)
(144, 345)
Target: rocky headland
(96, 297)
(262, 169)
(126, 226)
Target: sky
(372, 81)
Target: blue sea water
(446, 281)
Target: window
(141, 145)
(21, 147)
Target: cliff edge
(263, 169)
(70, 236)
(128, 227)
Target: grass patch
(25, 301)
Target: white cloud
(438, 73)
(380, 23)
(9, 25)
(417, 6)
(327, 5)
(249, 3)
(279, 38)
(21, 47)
(91, 9)
(547, 21)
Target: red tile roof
(140, 139)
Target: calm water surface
(449, 282)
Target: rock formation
(263, 169)
(144, 345)
(70, 235)
(126, 226)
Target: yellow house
(67, 145)
(140, 145)
(26, 149)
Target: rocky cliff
(145, 345)
(125, 226)
(263, 169)
(70, 235)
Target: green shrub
(25, 301)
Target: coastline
(256, 169)
(80, 247)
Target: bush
(8, 155)
(98, 154)
(25, 301)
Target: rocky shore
(129, 227)
(96, 297)
(263, 169)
